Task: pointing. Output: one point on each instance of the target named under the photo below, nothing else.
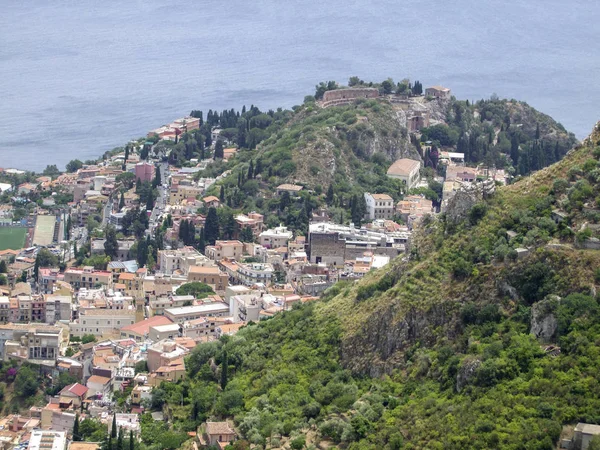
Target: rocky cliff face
(468, 196)
(387, 334)
(544, 324)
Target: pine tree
(122, 201)
(224, 369)
(113, 432)
(76, 436)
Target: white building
(405, 170)
(252, 273)
(245, 308)
(101, 322)
(379, 206)
(181, 260)
(47, 440)
(160, 332)
(189, 313)
(275, 237)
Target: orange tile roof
(98, 379)
(143, 327)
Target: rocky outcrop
(466, 372)
(543, 319)
(466, 197)
(381, 345)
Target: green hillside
(346, 150)
(435, 352)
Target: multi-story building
(254, 221)
(379, 206)
(438, 92)
(333, 244)
(58, 308)
(171, 261)
(32, 342)
(182, 191)
(100, 322)
(47, 440)
(189, 313)
(144, 171)
(119, 267)
(88, 277)
(413, 207)
(249, 274)
(210, 275)
(47, 278)
(224, 249)
(123, 248)
(275, 237)
(405, 170)
(164, 353)
(4, 309)
(139, 331)
(160, 332)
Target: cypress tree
(224, 369)
(76, 436)
(258, 168)
(250, 170)
(201, 241)
(131, 440)
(537, 131)
(150, 202)
(219, 149)
(113, 432)
(120, 439)
(211, 227)
(514, 150)
(122, 201)
(329, 197)
(222, 194)
(157, 179)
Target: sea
(80, 77)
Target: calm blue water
(78, 78)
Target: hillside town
(111, 292)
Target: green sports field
(12, 237)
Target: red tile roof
(78, 389)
